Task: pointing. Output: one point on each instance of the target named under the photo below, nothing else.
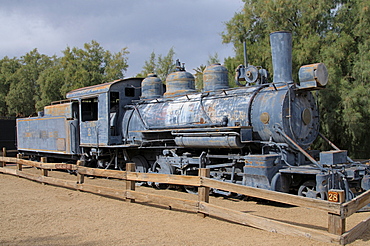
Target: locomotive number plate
(336, 196)
(333, 196)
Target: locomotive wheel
(163, 169)
(308, 189)
(191, 189)
(141, 166)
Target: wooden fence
(337, 212)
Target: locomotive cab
(101, 109)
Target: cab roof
(95, 89)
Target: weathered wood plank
(356, 231)
(101, 190)
(19, 166)
(355, 204)
(9, 171)
(266, 224)
(80, 177)
(8, 159)
(39, 164)
(172, 202)
(336, 225)
(203, 191)
(130, 185)
(101, 172)
(165, 178)
(331, 207)
(3, 163)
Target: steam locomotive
(258, 134)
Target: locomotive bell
(215, 77)
(151, 87)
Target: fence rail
(337, 212)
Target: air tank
(179, 83)
(215, 77)
(151, 87)
(281, 51)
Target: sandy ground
(35, 214)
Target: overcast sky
(192, 27)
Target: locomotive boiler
(258, 134)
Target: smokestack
(281, 49)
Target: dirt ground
(35, 214)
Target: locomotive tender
(256, 135)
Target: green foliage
(199, 77)
(91, 66)
(333, 32)
(49, 82)
(23, 88)
(161, 65)
(33, 81)
(7, 68)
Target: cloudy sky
(192, 27)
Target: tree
(23, 88)
(149, 66)
(116, 64)
(49, 82)
(91, 66)
(7, 68)
(35, 80)
(161, 65)
(199, 77)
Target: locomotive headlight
(306, 116)
(313, 76)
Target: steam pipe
(245, 53)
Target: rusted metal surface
(179, 83)
(215, 77)
(281, 51)
(64, 109)
(313, 75)
(48, 134)
(105, 128)
(96, 89)
(90, 90)
(262, 107)
(259, 170)
(151, 87)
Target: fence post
(80, 177)
(203, 192)
(3, 163)
(44, 172)
(130, 185)
(336, 225)
(19, 165)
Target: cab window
(89, 109)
